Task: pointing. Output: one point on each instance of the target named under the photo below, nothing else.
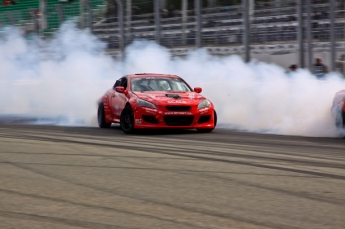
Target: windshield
(159, 84)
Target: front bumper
(147, 118)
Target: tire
(101, 117)
(127, 120)
(340, 119)
(208, 130)
(343, 118)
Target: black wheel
(343, 119)
(101, 117)
(209, 129)
(127, 120)
(340, 119)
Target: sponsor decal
(108, 117)
(150, 111)
(176, 102)
(151, 95)
(178, 113)
(204, 110)
(117, 110)
(138, 121)
(191, 96)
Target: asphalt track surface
(68, 177)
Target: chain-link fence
(44, 17)
(20, 15)
(269, 30)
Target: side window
(164, 85)
(123, 83)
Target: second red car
(338, 109)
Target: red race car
(338, 109)
(148, 100)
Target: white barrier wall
(283, 55)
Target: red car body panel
(170, 112)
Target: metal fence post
(309, 36)
(59, 9)
(332, 34)
(10, 16)
(184, 21)
(251, 10)
(81, 14)
(119, 6)
(198, 23)
(157, 21)
(129, 19)
(300, 33)
(43, 21)
(246, 31)
(35, 20)
(89, 16)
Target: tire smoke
(62, 78)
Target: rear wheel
(342, 118)
(101, 117)
(127, 120)
(207, 130)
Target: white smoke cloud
(63, 77)
(256, 97)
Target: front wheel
(101, 117)
(127, 120)
(208, 130)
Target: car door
(119, 100)
(114, 100)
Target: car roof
(144, 75)
(341, 92)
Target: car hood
(171, 98)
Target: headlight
(144, 103)
(203, 104)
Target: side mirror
(198, 89)
(120, 89)
(117, 83)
